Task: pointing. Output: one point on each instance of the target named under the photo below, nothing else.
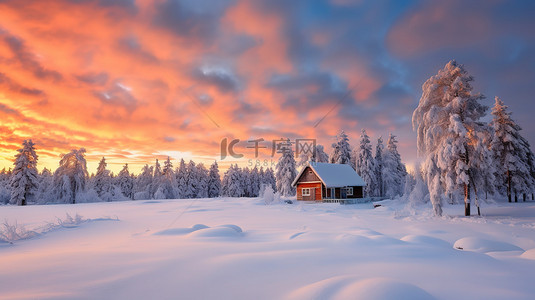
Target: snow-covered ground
(238, 248)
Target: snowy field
(238, 248)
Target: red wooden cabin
(324, 181)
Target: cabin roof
(333, 175)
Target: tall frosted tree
(512, 153)
(202, 181)
(449, 133)
(365, 164)
(181, 177)
(102, 183)
(24, 178)
(286, 172)
(143, 183)
(341, 150)
(394, 171)
(156, 178)
(379, 148)
(231, 185)
(321, 156)
(167, 185)
(70, 177)
(126, 182)
(214, 181)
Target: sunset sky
(139, 80)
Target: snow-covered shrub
(14, 232)
(269, 196)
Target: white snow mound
(425, 240)
(341, 288)
(219, 231)
(483, 246)
(181, 231)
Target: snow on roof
(334, 175)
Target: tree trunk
(466, 199)
(524, 197)
(509, 185)
(516, 197)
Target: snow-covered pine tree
(70, 176)
(46, 180)
(269, 177)
(379, 148)
(394, 171)
(231, 186)
(214, 181)
(143, 183)
(126, 182)
(449, 132)
(5, 189)
(255, 182)
(190, 188)
(168, 187)
(365, 164)
(156, 178)
(202, 181)
(102, 181)
(24, 178)
(511, 152)
(341, 152)
(321, 156)
(286, 172)
(181, 178)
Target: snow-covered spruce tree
(286, 172)
(126, 182)
(190, 187)
(231, 186)
(5, 189)
(321, 156)
(379, 148)
(255, 181)
(214, 181)
(143, 183)
(394, 170)
(70, 176)
(156, 178)
(449, 133)
(202, 181)
(102, 182)
(365, 164)
(44, 192)
(181, 177)
(168, 187)
(341, 152)
(511, 152)
(24, 178)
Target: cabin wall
(357, 192)
(315, 195)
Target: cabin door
(343, 193)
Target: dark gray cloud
(198, 19)
(131, 45)
(25, 57)
(118, 95)
(221, 78)
(13, 86)
(93, 78)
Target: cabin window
(349, 191)
(305, 191)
